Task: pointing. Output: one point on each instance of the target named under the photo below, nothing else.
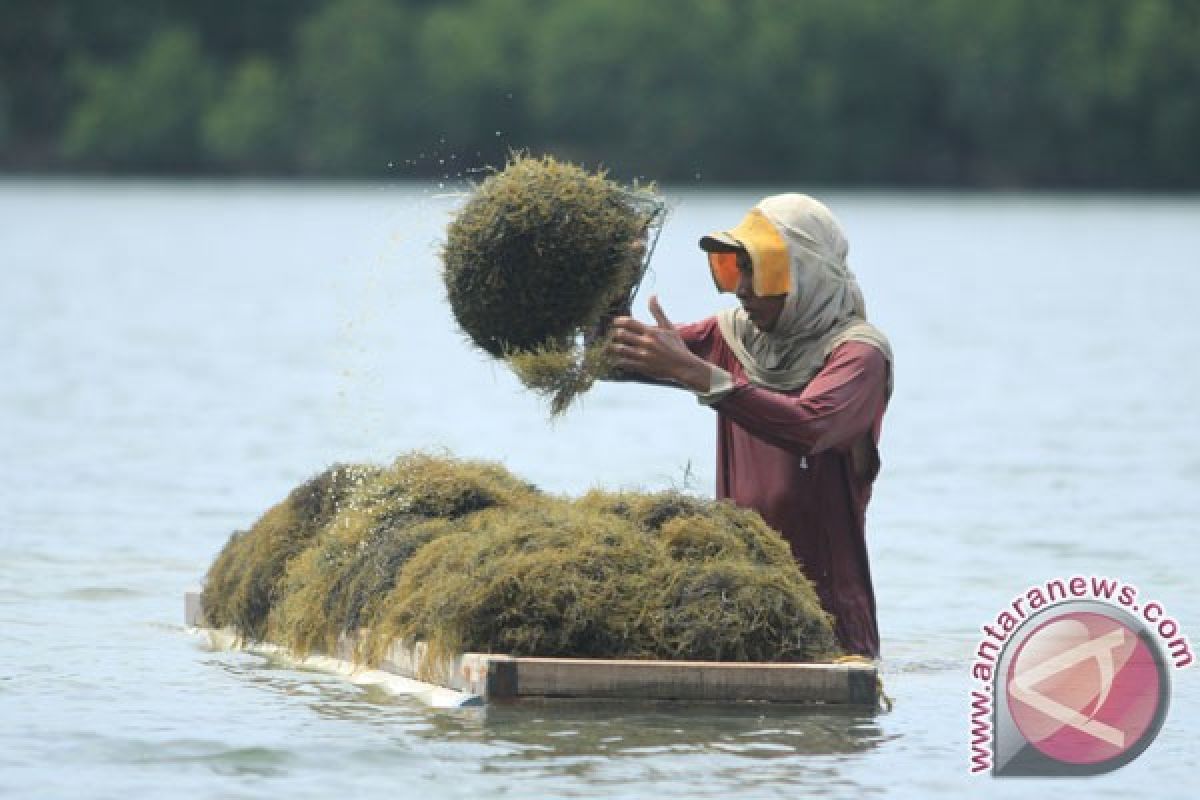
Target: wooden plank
(495, 677)
(466, 672)
(696, 681)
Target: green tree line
(1009, 93)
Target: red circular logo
(1083, 688)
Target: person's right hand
(657, 351)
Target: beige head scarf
(796, 246)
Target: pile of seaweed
(464, 556)
(539, 256)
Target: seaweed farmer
(799, 380)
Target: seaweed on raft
(578, 580)
(724, 609)
(242, 584)
(465, 556)
(335, 586)
(551, 580)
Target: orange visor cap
(768, 253)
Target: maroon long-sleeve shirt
(805, 460)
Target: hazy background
(1016, 93)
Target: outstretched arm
(838, 406)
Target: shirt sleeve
(836, 407)
(700, 336)
(720, 383)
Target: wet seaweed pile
(464, 556)
(538, 257)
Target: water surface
(177, 357)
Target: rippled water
(176, 358)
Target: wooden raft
(496, 678)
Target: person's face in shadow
(763, 311)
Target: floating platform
(477, 678)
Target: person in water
(799, 380)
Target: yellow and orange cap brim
(767, 249)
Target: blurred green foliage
(246, 127)
(146, 112)
(355, 72)
(858, 92)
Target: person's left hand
(657, 351)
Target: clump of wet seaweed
(464, 556)
(335, 586)
(539, 255)
(242, 585)
(554, 580)
(560, 374)
(726, 610)
(696, 528)
(733, 591)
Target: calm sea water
(176, 358)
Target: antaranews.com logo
(1073, 678)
